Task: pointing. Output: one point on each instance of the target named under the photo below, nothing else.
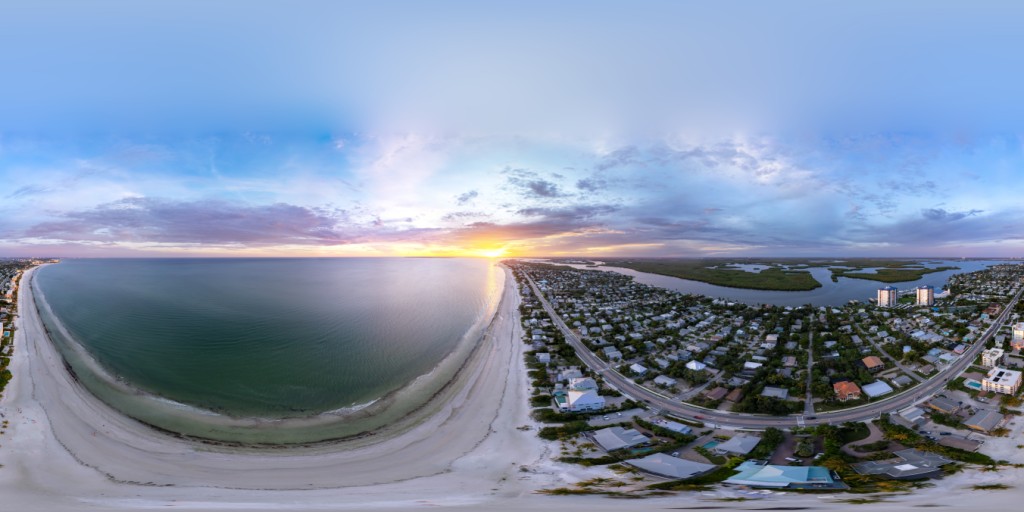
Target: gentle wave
(174, 416)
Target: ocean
(267, 350)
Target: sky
(576, 128)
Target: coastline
(394, 411)
(66, 450)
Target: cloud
(466, 197)
(939, 214)
(30, 190)
(591, 184)
(197, 222)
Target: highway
(758, 421)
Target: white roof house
(638, 369)
(670, 467)
(614, 438)
(739, 445)
(665, 380)
(751, 365)
(581, 401)
(696, 365)
(877, 388)
(582, 384)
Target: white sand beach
(65, 450)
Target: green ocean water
(175, 342)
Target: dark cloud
(591, 184)
(467, 197)
(569, 214)
(532, 185)
(940, 214)
(197, 222)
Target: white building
(877, 388)
(696, 366)
(665, 380)
(1018, 331)
(638, 369)
(1002, 381)
(992, 357)
(925, 295)
(887, 296)
(580, 401)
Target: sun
(491, 253)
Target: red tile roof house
(846, 390)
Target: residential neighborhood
(776, 361)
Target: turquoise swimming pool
(710, 444)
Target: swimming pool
(710, 444)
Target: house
(943, 405)
(582, 384)
(1002, 381)
(751, 365)
(670, 467)
(638, 369)
(665, 380)
(716, 394)
(754, 474)
(984, 421)
(738, 445)
(872, 363)
(773, 392)
(569, 374)
(696, 366)
(615, 438)
(789, 361)
(877, 388)
(674, 426)
(846, 390)
(543, 357)
(735, 395)
(902, 381)
(908, 465)
(580, 401)
(611, 353)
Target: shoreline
(65, 450)
(388, 415)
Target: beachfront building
(754, 474)
(992, 357)
(580, 401)
(1002, 381)
(925, 295)
(617, 438)
(846, 390)
(909, 465)
(887, 296)
(670, 467)
(985, 420)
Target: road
(896, 362)
(758, 421)
(809, 400)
